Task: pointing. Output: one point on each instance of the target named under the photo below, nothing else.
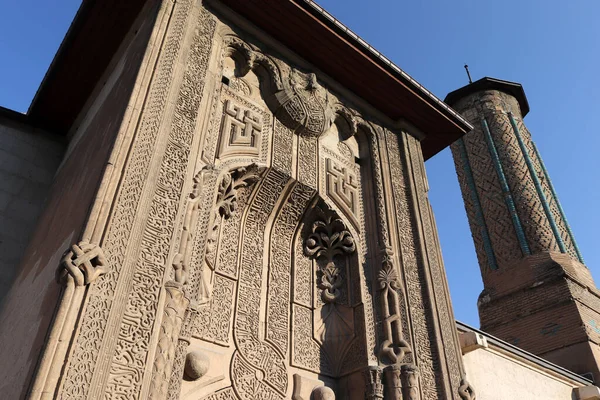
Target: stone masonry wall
(28, 160)
(31, 301)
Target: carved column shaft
(173, 313)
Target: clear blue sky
(551, 47)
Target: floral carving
(393, 346)
(227, 203)
(329, 238)
(84, 262)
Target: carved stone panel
(242, 128)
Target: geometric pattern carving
(240, 131)
(342, 188)
(84, 262)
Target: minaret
(538, 294)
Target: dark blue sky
(551, 47)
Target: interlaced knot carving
(84, 262)
(466, 391)
(394, 346)
(329, 238)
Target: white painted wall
(498, 375)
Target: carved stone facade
(265, 234)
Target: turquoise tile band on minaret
(558, 205)
(537, 184)
(510, 204)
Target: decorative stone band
(84, 262)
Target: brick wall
(28, 161)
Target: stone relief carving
(106, 328)
(466, 391)
(173, 313)
(342, 188)
(259, 364)
(374, 383)
(226, 204)
(393, 346)
(329, 238)
(240, 132)
(83, 262)
(295, 97)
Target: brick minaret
(537, 293)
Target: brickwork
(28, 161)
(538, 295)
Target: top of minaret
(512, 88)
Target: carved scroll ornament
(84, 262)
(329, 238)
(297, 98)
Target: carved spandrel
(240, 131)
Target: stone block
(590, 392)
(470, 341)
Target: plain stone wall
(28, 160)
(497, 375)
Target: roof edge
(524, 354)
(486, 83)
(318, 11)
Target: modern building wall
(28, 160)
(31, 301)
(500, 371)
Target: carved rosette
(329, 238)
(84, 262)
(393, 347)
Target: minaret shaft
(537, 292)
